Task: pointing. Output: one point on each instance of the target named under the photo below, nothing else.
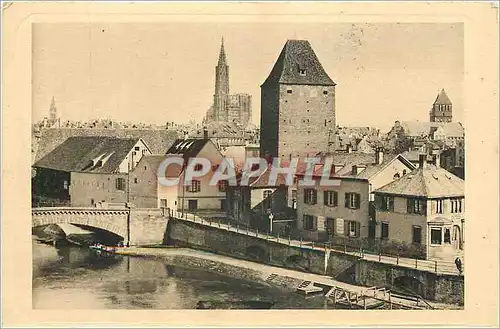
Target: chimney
(422, 160)
(349, 148)
(205, 133)
(379, 156)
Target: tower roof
(298, 64)
(442, 98)
(222, 53)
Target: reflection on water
(76, 278)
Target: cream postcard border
(481, 122)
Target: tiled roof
(442, 98)
(157, 140)
(219, 130)
(298, 55)
(428, 181)
(77, 154)
(453, 129)
(187, 147)
(414, 155)
(418, 128)
(263, 179)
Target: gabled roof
(452, 129)
(188, 148)
(298, 55)
(86, 154)
(418, 128)
(442, 99)
(374, 169)
(428, 181)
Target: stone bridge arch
(114, 221)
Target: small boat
(102, 249)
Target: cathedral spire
(53, 110)
(222, 54)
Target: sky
(160, 72)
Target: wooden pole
(435, 266)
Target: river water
(76, 278)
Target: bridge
(134, 225)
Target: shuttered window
(120, 184)
(352, 200)
(417, 206)
(352, 229)
(309, 223)
(330, 198)
(310, 196)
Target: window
(294, 199)
(92, 202)
(289, 91)
(435, 235)
(310, 196)
(456, 205)
(353, 229)
(309, 223)
(447, 236)
(385, 203)
(417, 234)
(384, 234)
(194, 187)
(143, 151)
(267, 199)
(65, 185)
(404, 172)
(120, 184)
(222, 184)
(416, 206)
(325, 92)
(198, 167)
(136, 180)
(192, 205)
(439, 206)
(302, 71)
(223, 205)
(331, 198)
(396, 176)
(352, 200)
(136, 148)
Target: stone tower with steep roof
(442, 109)
(297, 105)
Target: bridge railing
(441, 266)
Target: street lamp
(271, 216)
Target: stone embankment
(245, 270)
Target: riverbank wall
(271, 276)
(339, 266)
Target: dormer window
(302, 72)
